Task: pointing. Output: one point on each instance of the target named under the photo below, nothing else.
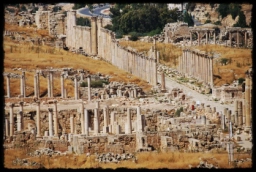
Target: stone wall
(100, 42)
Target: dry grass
(27, 57)
(168, 53)
(241, 60)
(149, 160)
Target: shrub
(224, 61)
(23, 8)
(217, 22)
(134, 36)
(207, 21)
(178, 111)
(108, 26)
(241, 80)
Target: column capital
(50, 109)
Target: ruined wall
(41, 19)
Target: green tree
(23, 8)
(241, 21)
(234, 10)
(188, 19)
(207, 21)
(77, 6)
(190, 6)
(223, 10)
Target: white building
(181, 6)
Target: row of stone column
(22, 85)
(50, 85)
(200, 33)
(196, 64)
(237, 37)
(9, 123)
(111, 127)
(104, 46)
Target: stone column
(198, 39)
(11, 105)
(129, 125)
(38, 124)
(225, 112)
(112, 120)
(35, 86)
(135, 92)
(8, 86)
(22, 89)
(55, 118)
(7, 133)
(247, 103)
(62, 85)
(236, 112)
(49, 85)
(19, 121)
(38, 84)
(214, 110)
(106, 120)
(229, 114)
(86, 122)
(82, 118)
(211, 72)
(76, 88)
(94, 35)
(89, 87)
(139, 120)
(72, 124)
(240, 113)
(51, 82)
(222, 121)
(50, 122)
(97, 104)
(96, 122)
(163, 89)
(21, 113)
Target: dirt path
(170, 84)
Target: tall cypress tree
(241, 20)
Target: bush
(217, 22)
(108, 26)
(241, 80)
(207, 21)
(23, 8)
(154, 32)
(224, 61)
(134, 36)
(178, 111)
(119, 34)
(56, 9)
